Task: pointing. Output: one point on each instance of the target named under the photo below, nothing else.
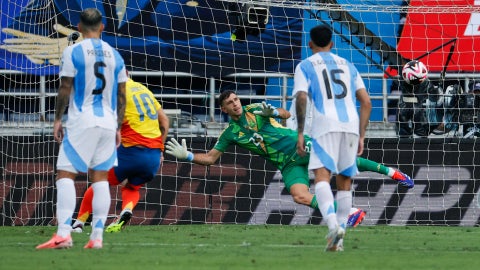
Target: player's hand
(38, 49)
(118, 138)
(301, 151)
(360, 146)
(175, 149)
(267, 110)
(58, 131)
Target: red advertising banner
(443, 33)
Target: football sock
(86, 206)
(324, 196)
(100, 206)
(130, 198)
(66, 202)
(314, 205)
(314, 202)
(391, 172)
(372, 166)
(344, 201)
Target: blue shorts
(138, 165)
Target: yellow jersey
(140, 125)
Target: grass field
(247, 247)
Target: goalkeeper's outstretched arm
(180, 151)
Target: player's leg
(322, 161)
(115, 176)
(130, 196)
(86, 205)
(73, 156)
(337, 152)
(103, 160)
(84, 212)
(325, 198)
(138, 165)
(297, 182)
(372, 166)
(347, 168)
(344, 199)
(66, 201)
(127, 166)
(302, 195)
(100, 206)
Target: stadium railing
(195, 125)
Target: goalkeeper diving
(254, 128)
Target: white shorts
(93, 148)
(336, 151)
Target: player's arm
(163, 123)
(301, 110)
(64, 90)
(207, 159)
(283, 114)
(180, 151)
(121, 103)
(365, 110)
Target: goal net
(188, 51)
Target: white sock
(78, 222)
(344, 204)
(324, 195)
(66, 202)
(391, 172)
(100, 208)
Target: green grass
(247, 247)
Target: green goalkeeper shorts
(296, 172)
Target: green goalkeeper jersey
(261, 135)
(267, 138)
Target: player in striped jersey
(92, 83)
(363, 164)
(144, 131)
(333, 85)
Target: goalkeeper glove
(267, 110)
(177, 150)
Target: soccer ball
(414, 72)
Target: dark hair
(321, 35)
(91, 18)
(224, 95)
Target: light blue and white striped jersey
(97, 68)
(331, 83)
